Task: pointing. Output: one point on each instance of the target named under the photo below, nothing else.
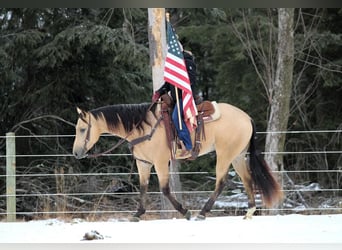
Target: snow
(231, 229)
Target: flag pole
(178, 109)
(176, 89)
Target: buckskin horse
(232, 136)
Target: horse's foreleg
(185, 212)
(144, 170)
(162, 170)
(142, 203)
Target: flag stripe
(177, 79)
(171, 66)
(177, 61)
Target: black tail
(262, 177)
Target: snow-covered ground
(231, 229)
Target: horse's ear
(79, 111)
(81, 114)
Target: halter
(88, 135)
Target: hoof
(249, 213)
(200, 217)
(187, 215)
(134, 219)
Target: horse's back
(232, 131)
(231, 109)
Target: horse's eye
(82, 130)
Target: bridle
(87, 139)
(122, 140)
(88, 132)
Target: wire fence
(295, 201)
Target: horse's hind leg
(240, 165)
(209, 204)
(222, 166)
(144, 170)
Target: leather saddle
(207, 111)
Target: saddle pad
(209, 110)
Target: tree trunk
(280, 91)
(158, 49)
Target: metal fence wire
(47, 189)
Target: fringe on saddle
(206, 113)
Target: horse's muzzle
(80, 154)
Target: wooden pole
(176, 89)
(157, 44)
(10, 177)
(158, 50)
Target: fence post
(10, 177)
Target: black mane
(130, 115)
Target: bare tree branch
(15, 127)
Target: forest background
(52, 60)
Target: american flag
(176, 74)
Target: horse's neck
(119, 131)
(102, 127)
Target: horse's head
(87, 134)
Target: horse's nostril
(76, 155)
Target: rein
(108, 150)
(122, 140)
